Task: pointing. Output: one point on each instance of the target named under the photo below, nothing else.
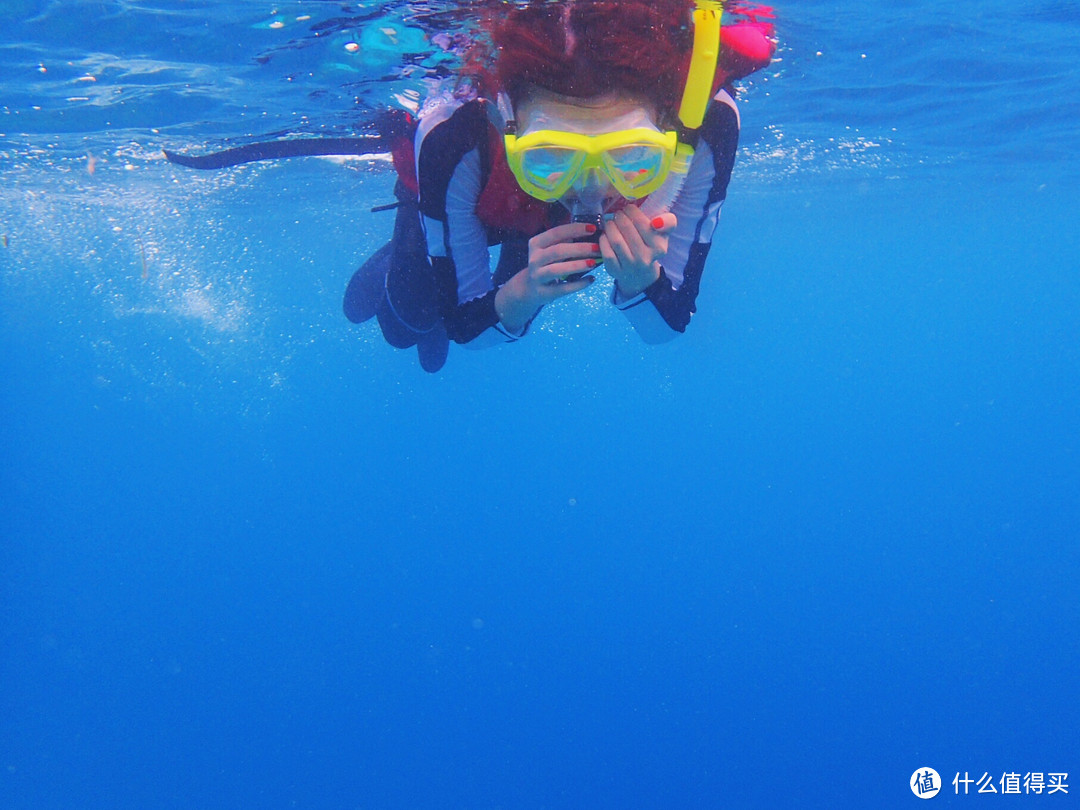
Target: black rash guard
(454, 164)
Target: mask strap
(506, 109)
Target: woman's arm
(452, 169)
(663, 309)
(553, 255)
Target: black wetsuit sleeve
(674, 293)
(452, 169)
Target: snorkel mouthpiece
(588, 204)
(590, 214)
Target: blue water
(250, 556)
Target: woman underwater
(605, 135)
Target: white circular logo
(925, 783)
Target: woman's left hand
(632, 247)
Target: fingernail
(590, 262)
(596, 248)
(658, 223)
(590, 228)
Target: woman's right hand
(553, 255)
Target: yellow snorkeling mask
(548, 162)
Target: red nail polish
(658, 223)
(590, 262)
(596, 248)
(590, 228)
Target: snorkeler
(607, 139)
(604, 136)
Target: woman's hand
(632, 247)
(552, 257)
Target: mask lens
(635, 165)
(546, 166)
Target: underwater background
(251, 556)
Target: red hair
(586, 48)
(641, 48)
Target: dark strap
(274, 150)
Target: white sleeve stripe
(725, 98)
(707, 226)
(435, 234)
(467, 237)
(689, 209)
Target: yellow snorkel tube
(699, 78)
(697, 93)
